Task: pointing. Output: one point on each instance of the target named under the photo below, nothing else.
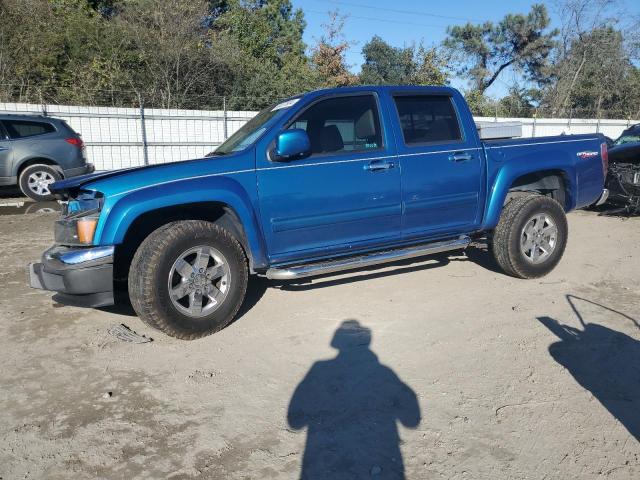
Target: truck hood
(77, 182)
(625, 153)
(119, 181)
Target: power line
(385, 20)
(406, 12)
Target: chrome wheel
(39, 182)
(199, 281)
(538, 238)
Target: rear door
(441, 165)
(5, 155)
(346, 195)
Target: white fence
(543, 127)
(127, 137)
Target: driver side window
(342, 124)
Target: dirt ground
(443, 368)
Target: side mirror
(291, 144)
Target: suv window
(342, 124)
(25, 128)
(427, 119)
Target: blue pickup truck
(322, 182)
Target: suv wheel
(35, 180)
(530, 237)
(188, 279)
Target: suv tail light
(75, 141)
(604, 155)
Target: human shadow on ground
(350, 405)
(602, 360)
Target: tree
(272, 63)
(431, 67)
(328, 56)
(266, 29)
(483, 52)
(385, 64)
(593, 68)
(520, 102)
(595, 76)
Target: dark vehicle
(630, 135)
(36, 151)
(623, 178)
(327, 181)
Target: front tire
(530, 237)
(34, 181)
(188, 279)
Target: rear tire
(34, 181)
(530, 237)
(188, 279)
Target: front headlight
(79, 219)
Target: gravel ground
(443, 368)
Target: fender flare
(515, 169)
(121, 210)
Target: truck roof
(379, 88)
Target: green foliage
(328, 56)
(519, 41)
(388, 65)
(384, 64)
(192, 53)
(596, 77)
(169, 53)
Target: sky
(404, 22)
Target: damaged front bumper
(81, 277)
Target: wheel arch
(144, 224)
(550, 183)
(556, 183)
(40, 160)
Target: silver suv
(35, 151)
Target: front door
(441, 166)
(345, 196)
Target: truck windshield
(251, 130)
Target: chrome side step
(375, 258)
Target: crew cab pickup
(322, 182)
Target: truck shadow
(258, 285)
(350, 406)
(478, 254)
(602, 360)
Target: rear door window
(427, 119)
(27, 128)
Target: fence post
(42, 104)
(569, 121)
(598, 126)
(143, 131)
(224, 117)
(533, 130)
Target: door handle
(378, 165)
(2, 149)
(460, 157)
